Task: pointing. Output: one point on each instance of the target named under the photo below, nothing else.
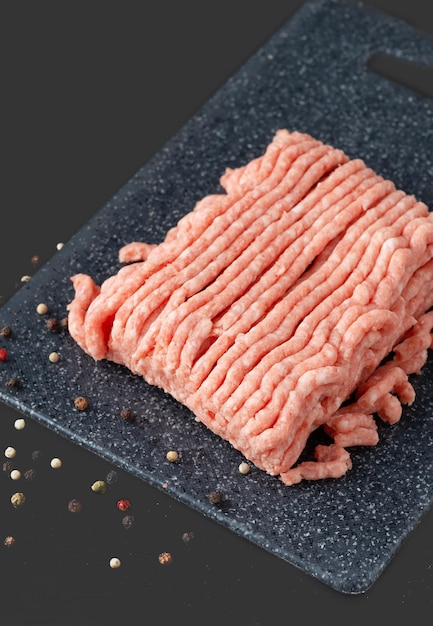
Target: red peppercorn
(3, 354)
(123, 505)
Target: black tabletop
(90, 94)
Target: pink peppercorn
(123, 505)
(3, 354)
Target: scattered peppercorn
(30, 474)
(244, 468)
(165, 558)
(10, 452)
(3, 354)
(20, 424)
(17, 499)
(35, 259)
(115, 563)
(111, 477)
(36, 454)
(123, 505)
(64, 323)
(9, 541)
(75, 506)
(12, 382)
(42, 308)
(52, 324)
(53, 357)
(215, 497)
(172, 456)
(56, 463)
(81, 403)
(128, 521)
(8, 466)
(187, 537)
(127, 414)
(99, 486)
(6, 331)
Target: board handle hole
(414, 76)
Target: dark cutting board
(311, 76)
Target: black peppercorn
(127, 415)
(215, 497)
(127, 521)
(111, 477)
(30, 474)
(12, 382)
(64, 323)
(52, 324)
(187, 537)
(75, 506)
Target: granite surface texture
(310, 76)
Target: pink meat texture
(297, 299)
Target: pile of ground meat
(297, 299)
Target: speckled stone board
(311, 76)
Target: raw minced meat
(270, 305)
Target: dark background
(89, 94)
